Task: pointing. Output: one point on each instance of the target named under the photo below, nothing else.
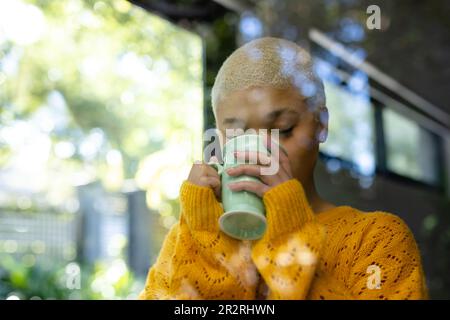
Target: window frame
(382, 168)
(376, 94)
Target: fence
(48, 236)
(107, 226)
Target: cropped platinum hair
(270, 62)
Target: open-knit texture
(302, 255)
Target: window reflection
(411, 150)
(97, 100)
(351, 133)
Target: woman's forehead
(263, 103)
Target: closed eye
(286, 132)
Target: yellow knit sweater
(342, 253)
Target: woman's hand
(204, 175)
(267, 181)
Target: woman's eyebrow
(276, 113)
(232, 121)
(270, 117)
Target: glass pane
(98, 101)
(350, 127)
(410, 150)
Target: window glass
(410, 150)
(351, 132)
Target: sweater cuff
(287, 208)
(199, 207)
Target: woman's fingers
(202, 174)
(257, 188)
(254, 157)
(276, 150)
(278, 156)
(272, 169)
(259, 165)
(248, 169)
(214, 183)
(209, 171)
(253, 170)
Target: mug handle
(217, 166)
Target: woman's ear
(322, 129)
(322, 136)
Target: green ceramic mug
(244, 212)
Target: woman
(311, 249)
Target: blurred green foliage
(52, 281)
(98, 76)
(117, 69)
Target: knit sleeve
(375, 258)
(197, 261)
(288, 253)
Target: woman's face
(271, 108)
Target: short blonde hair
(271, 62)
